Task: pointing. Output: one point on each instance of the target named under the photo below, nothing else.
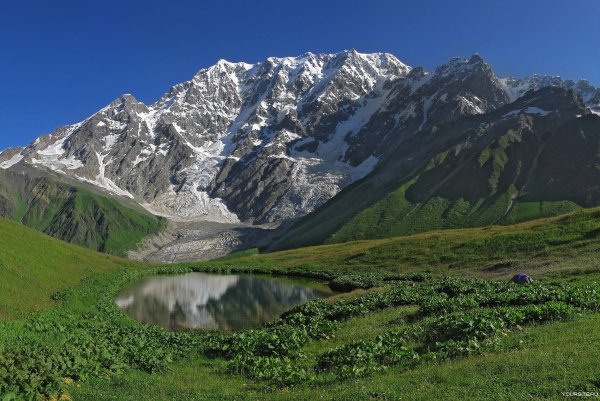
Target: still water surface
(199, 300)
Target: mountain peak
(461, 64)
(311, 124)
(126, 102)
(223, 66)
(476, 58)
(126, 98)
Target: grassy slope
(553, 362)
(33, 266)
(542, 362)
(537, 247)
(122, 227)
(74, 214)
(471, 192)
(514, 171)
(394, 215)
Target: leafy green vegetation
(398, 331)
(553, 363)
(89, 338)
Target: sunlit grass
(33, 266)
(539, 247)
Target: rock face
(270, 142)
(257, 143)
(532, 158)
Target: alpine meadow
(341, 225)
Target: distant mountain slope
(515, 88)
(33, 266)
(267, 143)
(74, 214)
(535, 157)
(567, 244)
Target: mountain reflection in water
(199, 300)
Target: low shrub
(88, 336)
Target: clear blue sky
(62, 60)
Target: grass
(542, 362)
(33, 266)
(121, 227)
(394, 215)
(536, 362)
(540, 247)
(75, 214)
(93, 221)
(363, 328)
(523, 211)
(548, 362)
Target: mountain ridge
(65, 149)
(268, 143)
(487, 169)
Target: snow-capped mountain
(532, 158)
(515, 88)
(272, 141)
(238, 141)
(422, 100)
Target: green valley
(300, 201)
(409, 316)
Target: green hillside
(33, 266)
(74, 214)
(513, 179)
(459, 333)
(541, 247)
(497, 168)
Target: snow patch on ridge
(513, 89)
(527, 110)
(12, 161)
(104, 182)
(52, 156)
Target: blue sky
(62, 60)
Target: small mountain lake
(224, 301)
